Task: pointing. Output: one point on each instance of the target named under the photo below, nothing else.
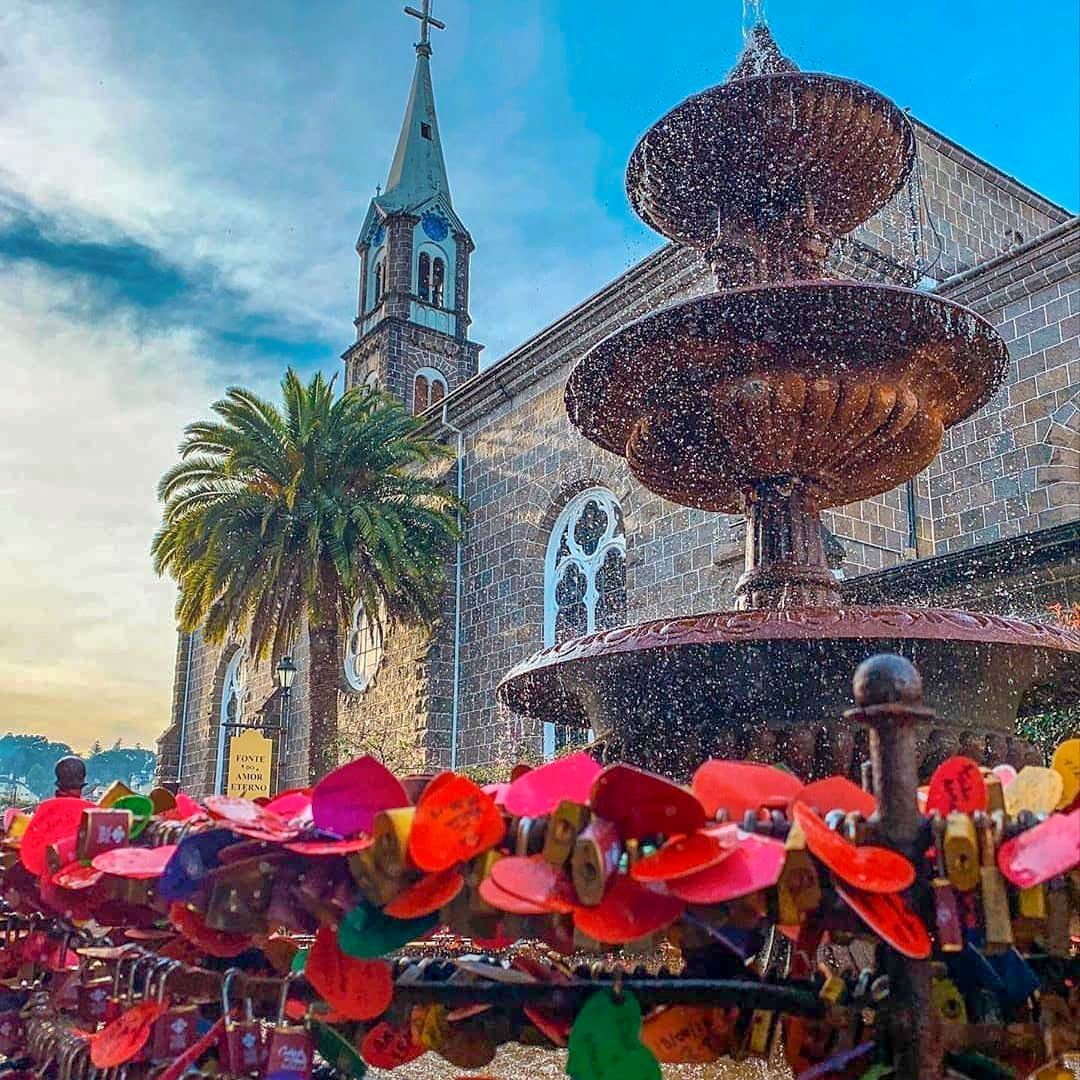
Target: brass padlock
(597, 851)
(950, 933)
(762, 1033)
(239, 896)
(390, 830)
(995, 900)
(995, 793)
(1031, 903)
(961, 852)
(798, 889)
(378, 887)
(567, 822)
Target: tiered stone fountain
(778, 396)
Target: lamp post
(286, 673)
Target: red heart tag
(532, 879)
(500, 899)
(249, 819)
(214, 942)
(838, 793)
(135, 863)
(359, 989)
(454, 822)
(330, 847)
(1046, 851)
(628, 910)
(681, 856)
(738, 786)
(120, 1041)
(387, 1047)
(556, 1026)
(957, 785)
(53, 820)
(872, 869)
(754, 865)
(640, 803)
(346, 801)
(430, 893)
(290, 804)
(891, 919)
(76, 876)
(539, 791)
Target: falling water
(753, 14)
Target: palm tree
(274, 520)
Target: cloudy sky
(181, 183)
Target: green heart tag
(142, 809)
(339, 1052)
(366, 933)
(605, 1042)
(299, 961)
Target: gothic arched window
(380, 283)
(429, 387)
(230, 712)
(423, 276)
(363, 649)
(438, 281)
(584, 576)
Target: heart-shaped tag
(359, 989)
(956, 786)
(1048, 850)
(838, 793)
(754, 865)
(539, 791)
(640, 803)
(430, 893)
(1035, 788)
(77, 876)
(454, 822)
(53, 820)
(386, 1046)
(122, 1039)
(214, 942)
(345, 801)
(366, 933)
(534, 880)
(681, 856)
(738, 786)
(628, 910)
(605, 1042)
(891, 919)
(135, 863)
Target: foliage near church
(276, 520)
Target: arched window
(371, 380)
(429, 387)
(423, 276)
(584, 576)
(230, 712)
(363, 649)
(380, 283)
(438, 281)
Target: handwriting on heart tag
(501, 900)
(454, 822)
(135, 863)
(1048, 850)
(628, 910)
(53, 820)
(956, 786)
(430, 893)
(738, 786)
(680, 856)
(346, 800)
(838, 793)
(534, 880)
(891, 919)
(872, 869)
(605, 1042)
(1035, 788)
(754, 865)
(1066, 762)
(359, 989)
(538, 791)
(681, 1034)
(77, 876)
(640, 803)
(122, 1039)
(386, 1046)
(249, 819)
(214, 942)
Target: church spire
(418, 171)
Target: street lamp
(286, 673)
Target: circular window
(363, 649)
(435, 225)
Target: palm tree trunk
(325, 670)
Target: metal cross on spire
(426, 20)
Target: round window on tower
(435, 225)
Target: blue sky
(181, 185)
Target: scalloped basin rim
(732, 627)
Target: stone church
(560, 539)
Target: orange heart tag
(214, 942)
(628, 910)
(358, 989)
(118, 1042)
(738, 786)
(680, 856)
(501, 900)
(891, 919)
(430, 893)
(454, 822)
(838, 793)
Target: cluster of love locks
(162, 936)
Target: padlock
(378, 888)
(239, 896)
(243, 1048)
(950, 933)
(1057, 917)
(12, 1033)
(390, 829)
(529, 835)
(291, 1050)
(961, 852)
(995, 793)
(566, 823)
(101, 830)
(1031, 903)
(995, 900)
(948, 1000)
(177, 1028)
(596, 855)
(798, 890)
(94, 1001)
(762, 1033)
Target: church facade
(560, 539)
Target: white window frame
(432, 375)
(588, 564)
(359, 682)
(232, 683)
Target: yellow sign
(250, 757)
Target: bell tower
(412, 320)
